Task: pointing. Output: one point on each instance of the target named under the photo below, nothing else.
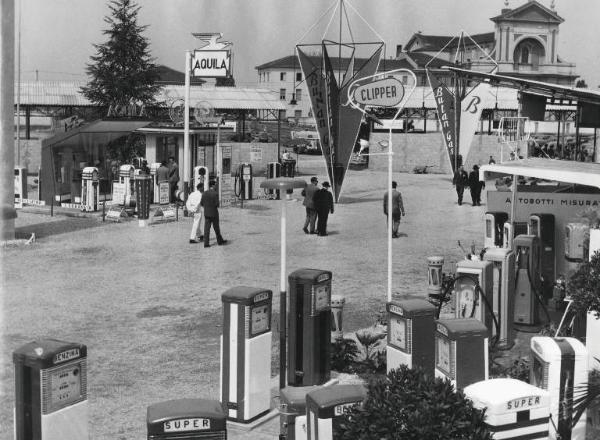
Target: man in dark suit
(210, 203)
(323, 201)
(311, 213)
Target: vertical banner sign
(350, 118)
(332, 103)
(444, 100)
(470, 112)
(316, 90)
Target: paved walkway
(147, 303)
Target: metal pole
(186, 124)
(19, 87)
(219, 163)
(389, 216)
(282, 300)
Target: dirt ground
(148, 304)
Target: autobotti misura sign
(211, 63)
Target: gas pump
(411, 328)
(461, 351)
(542, 226)
(474, 292)
(155, 190)
(246, 353)
(201, 175)
(309, 339)
(494, 222)
(527, 254)
(513, 409)
(243, 181)
(20, 183)
(575, 237)
(560, 366)
(326, 406)
(51, 391)
(126, 177)
(503, 293)
(90, 189)
(511, 230)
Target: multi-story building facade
(523, 44)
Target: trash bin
(143, 186)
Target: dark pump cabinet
(189, 419)
(542, 226)
(309, 346)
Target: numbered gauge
(259, 319)
(443, 354)
(466, 298)
(321, 297)
(398, 332)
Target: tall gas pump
(201, 175)
(503, 293)
(51, 391)
(155, 190)
(243, 182)
(126, 177)
(511, 230)
(527, 290)
(542, 226)
(90, 189)
(575, 237)
(20, 183)
(494, 223)
(474, 291)
(246, 353)
(309, 339)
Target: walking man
(475, 186)
(323, 201)
(210, 203)
(397, 208)
(460, 180)
(173, 178)
(311, 212)
(194, 206)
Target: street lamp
(282, 184)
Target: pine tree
(122, 72)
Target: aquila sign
(210, 63)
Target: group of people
(319, 204)
(462, 180)
(205, 204)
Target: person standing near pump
(397, 208)
(162, 172)
(311, 212)
(173, 178)
(475, 186)
(210, 203)
(460, 180)
(323, 201)
(194, 205)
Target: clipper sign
(210, 63)
(387, 92)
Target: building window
(282, 76)
(298, 76)
(297, 114)
(282, 94)
(298, 94)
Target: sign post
(386, 90)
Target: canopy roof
(579, 173)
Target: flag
(444, 100)
(471, 107)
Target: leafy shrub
(409, 404)
(519, 369)
(347, 357)
(343, 354)
(584, 286)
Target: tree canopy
(122, 72)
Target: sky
(57, 36)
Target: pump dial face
(466, 299)
(443, 354)
(65, 386)
(259, 319)
(398, 332)
(321, 297)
